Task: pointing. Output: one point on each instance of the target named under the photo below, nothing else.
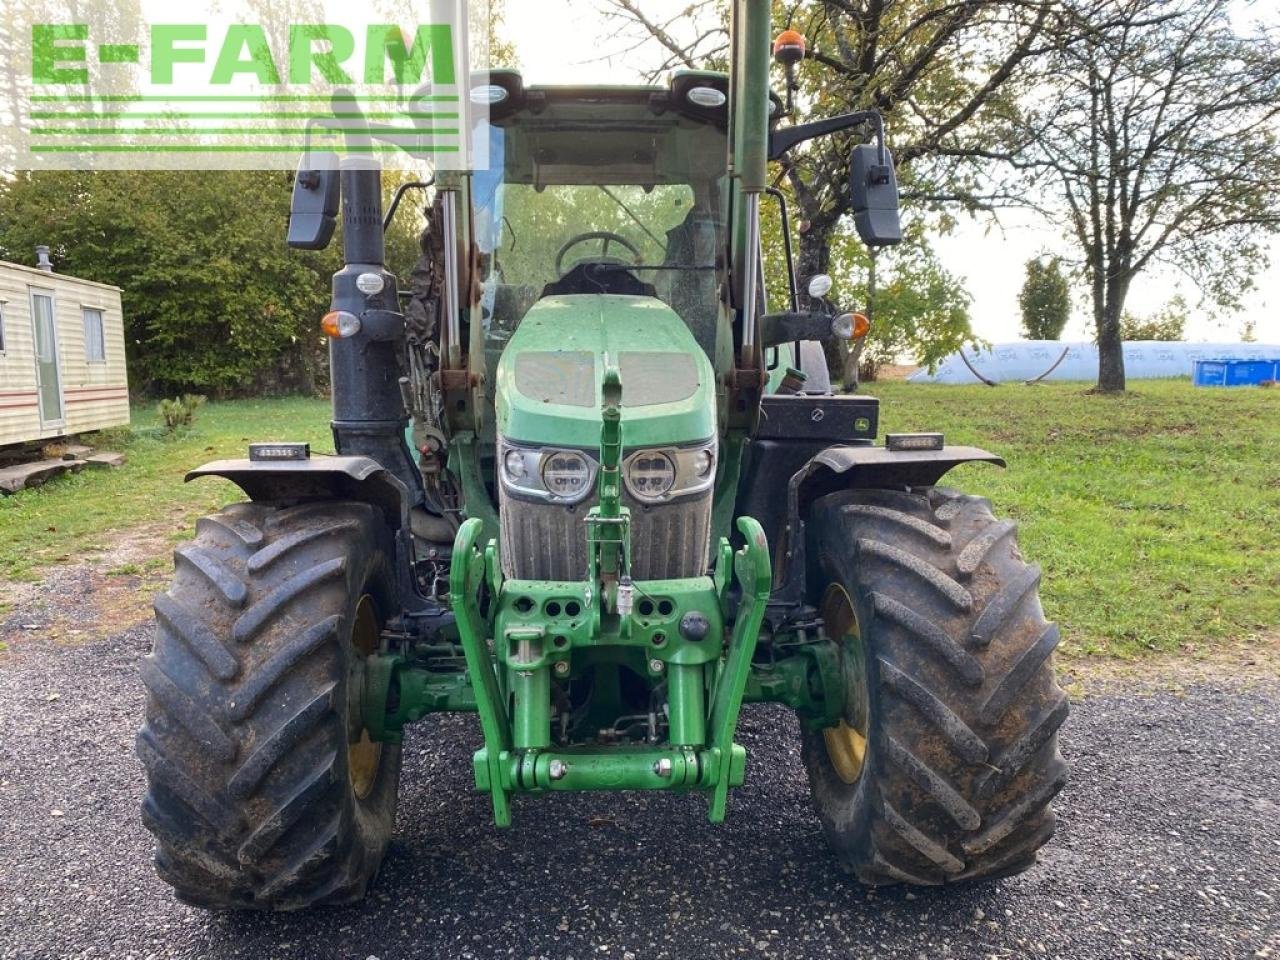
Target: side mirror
(875, 196)
(313, 212)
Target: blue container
(1235, 373)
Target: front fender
(318, 478)
(847, 467)
(856, 468)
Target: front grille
(544, 541)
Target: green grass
(1156, 515)
(86, 512)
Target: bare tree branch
(1162, 137)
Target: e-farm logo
(314, 52)
(238, 90)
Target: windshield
(571, 224)
(585, 183)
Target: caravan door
(48, 380)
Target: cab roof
(647, 135)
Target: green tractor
(589, 489)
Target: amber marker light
(850, 326)
(340, 324)
(789, 48)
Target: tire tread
(963, 758)
(245, 732)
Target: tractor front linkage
(517, 636)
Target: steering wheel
(604, 235)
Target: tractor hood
(548, 389)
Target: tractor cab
(608, 191)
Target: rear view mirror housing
(313, 211)
(874, 188)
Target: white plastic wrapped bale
(1029, 359)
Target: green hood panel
(548, 389)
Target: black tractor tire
(264, 791)
(949, 684)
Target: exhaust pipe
(42, 259)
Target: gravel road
(1168, 846)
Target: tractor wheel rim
(846, 742)
(364, 756)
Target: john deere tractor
(589, 489)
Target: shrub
(181, 411)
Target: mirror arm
(785, 215)
(794, 326)
(780, 141)
(399, 195)
(793, 285)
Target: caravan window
(95, 348)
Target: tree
(214, 301)
(1167, 323)
(1158, 131)
(920, 309)
(937, 71)
(490, 47)
(1045, 300)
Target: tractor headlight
(656, 475)
(562, 476)
(566, 474)
(651, 474)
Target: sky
(575, 42)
